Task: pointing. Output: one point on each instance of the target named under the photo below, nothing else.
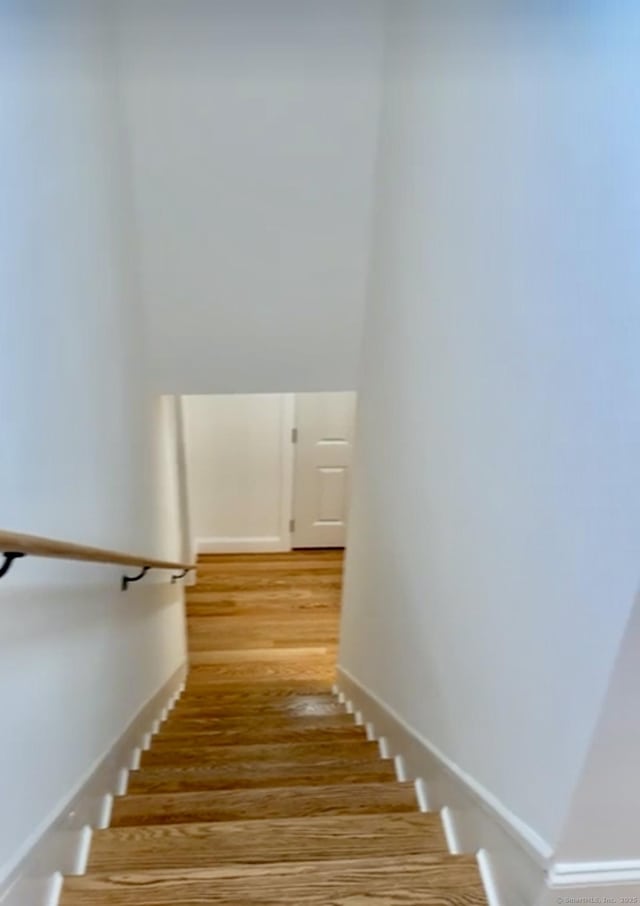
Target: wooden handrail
(14, 545)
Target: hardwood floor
(260, 789)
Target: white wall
(602, 821)
(495, 538)
(80, 431)
(239, 466)
(252, 137)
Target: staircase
(260, 789)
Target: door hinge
(294, 435)
(292, 525)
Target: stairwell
(260, 788)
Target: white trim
(183, 488)
(287, 467)
(568, 874)
(61, 843)
(488, 879)
(104, 818)
(263, 544)
(81, 856)
(54, 890)
(421, 794)
(122, 782)
(400, 767)
(449, 828)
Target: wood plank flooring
(260, 789)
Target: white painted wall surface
(170, 511)
(252, 131)
(495, 532)
(239, 466)
(79, 431)
(602, 822)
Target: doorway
(268, 472)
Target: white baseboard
(61, 845)
(613, 872)
(512, 863)
(516, 865)
(616, 881)
(266, 544)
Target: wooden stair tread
(255, 734)
(200, 726)
(203, 682)
(426, 880)
(241, 707)
(244, 659)
(332, 554)
(248, 774)
(274, 694)
(271, 802)
(267, 840)
(246, 644)
(317, 564)
(201, 722)
(230, 581)
(267, 605)
(290, 670)
(302, 752)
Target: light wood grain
(268, 840)
(268, 802)
(250, 639)
(202, 681)
(201, 729)
(66, 550)
(251, 774)
(261, 656)
(397, 881)
(247, 693)
(265, 671)
(237, 732)
(302, 753)
(283, 708)
(257, 582)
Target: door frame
(287, 469)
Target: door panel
(325, 423)
(331, 495)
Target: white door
(324, 425)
